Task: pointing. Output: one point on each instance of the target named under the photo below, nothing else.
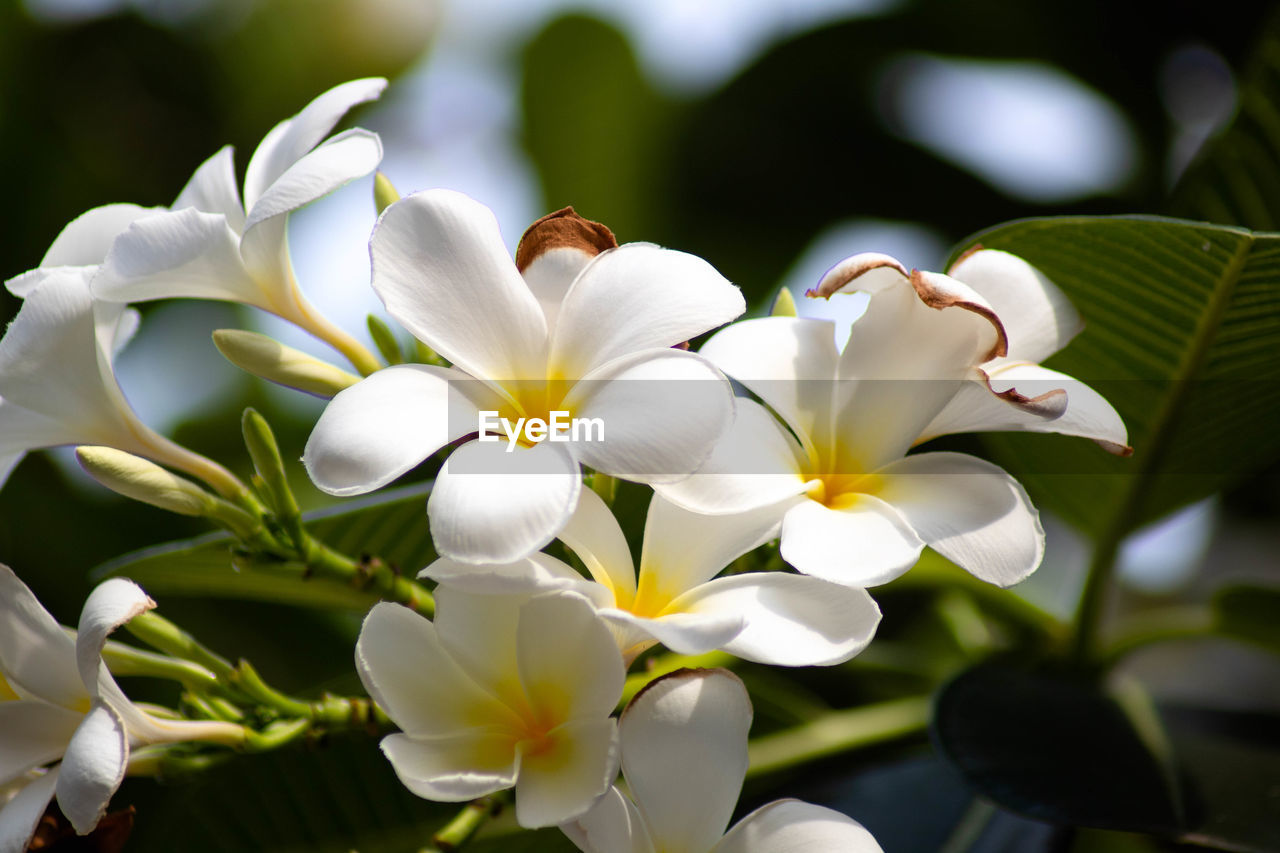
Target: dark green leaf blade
(1058, 749)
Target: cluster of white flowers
(515, 682)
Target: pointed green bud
(384, 192)
(784, 305)
(144, 480)
(268, 358)
(265, 453)
(385, 340)
(424, 354)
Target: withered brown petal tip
(563, 228)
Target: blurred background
(772, 137)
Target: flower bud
(271, 360)
(142, 480)
(384, 192)
(784, 305)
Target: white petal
(111, 604)
(33, 734)
(662, 412)
(683, 549)
(789, 363)
(905, 359)
(788, 620)
(865, 545)
(491, 506)
(407, 671)
(479, 633)
(181, 254)
(87, 238)
(596, 537)
(969, 511)
(568, 663)
(51, 362)
(549, 277)
(93, 767)
(292, 138)
(1036, 315)
(451, 769)
(563, 782)
(37, 657)
(20, 816)
(383, 426)
(1028, 397)
(638, 297)
(613, 825)
(911, 308)
(339, 161)
(791, 826)
(684, 755)
(442, 270)
(682, 633)
(535, 573)
(757, 463)
(213, 189)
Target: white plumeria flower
(213, 246)
(568, 328)
(498, 692)
(65, 725)
(920, 362)
(768, 617)
(58, 387)
(684, 756)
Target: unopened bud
(268, 358)
(384, 192)
(784, 305)
(385, 340)
(143, 480)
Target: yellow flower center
(842, 491)
(7, 693)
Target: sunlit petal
(1037, 317)
(684, 755)
(636, 297)
(458, 767)
(93, 767)
(291, 139)
(788, 620)
(563, 776)
(442, 270)
(491, 506)
(662, 412)
(384, 425)
(968, 510)
(866, 544)
(790, 826)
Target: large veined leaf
(1058, 749)
(391, 525)
(1182, 331)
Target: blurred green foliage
(123, 109)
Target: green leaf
(1236, 178)
(1249, 614)
(1058, 749)
(1182, 327)
(332, 797)
(594, 126)
(391, 525)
